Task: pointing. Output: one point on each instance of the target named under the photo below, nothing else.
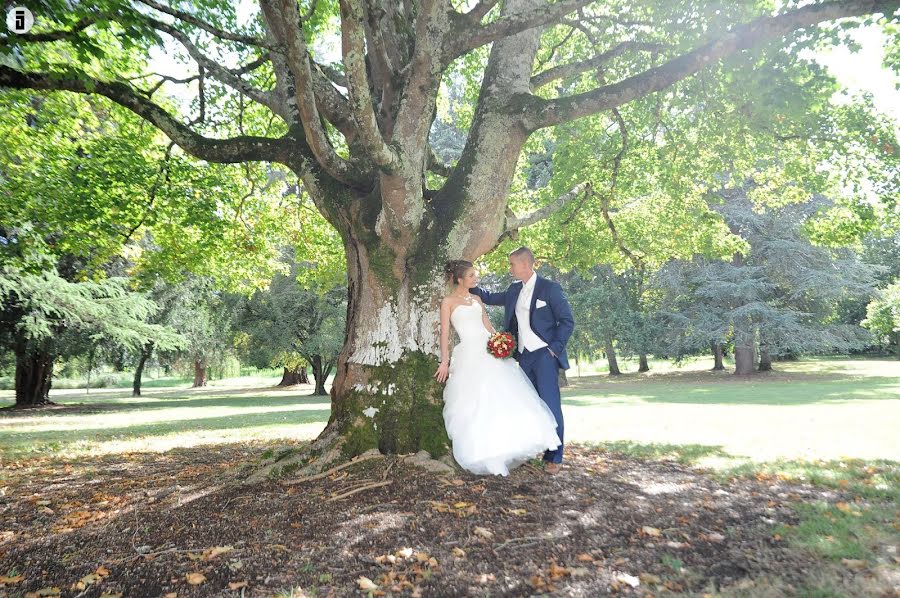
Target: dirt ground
(183, 524)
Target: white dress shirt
(527, 338)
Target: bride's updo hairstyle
(455, 270)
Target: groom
(538, 315)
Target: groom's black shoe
(552, 468)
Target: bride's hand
(443, 372)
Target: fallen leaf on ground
(518, 512)
(649, 578)
(459, 553)
(854, 563)
(211, 553)
(556, 571)
(11, 579)
(366, 584)
(87, 580)
(651, 531)
(111, 595)
(237, 585)
(483, 532)
(631, 580)
(54, 591)
(585, 557)
(195, 578)
(405, 553)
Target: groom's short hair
(523, 252)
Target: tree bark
(320, 375)
(744, 337)
(199, 374)
(718, 355)
(611, 358)
(765, 360)
(644, 365)
(146, 352)
(34, 375)
(562, 378)
(295, 376)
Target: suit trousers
(543, 370)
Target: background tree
(293, 326)
(44, 316)
(363, 156)
(778, 296)
(883, 317)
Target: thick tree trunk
(320, 375)
(644, 365)
(718, 355)
(611, 358)
(562, 378)
(34, 375)
(199, 374)
(765, 360)
(139, 370)
(384, 394)
(295, 376)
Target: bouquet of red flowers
(501, 344)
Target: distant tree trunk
(765, 360)
(146, 352)
(563, 379)
(744, 338)
(611, 358)
(644, 366)
(118, 361)
(718, 355)
(199, 374)
(320, 375)
(34, 375)
(296, 376)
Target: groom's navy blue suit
(552, 323)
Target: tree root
(316, 457)
(322, 458)
(325, 474)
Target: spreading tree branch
(49, 36)
(514, 223)
(545, 113)
(481, 9)
(353, 45)
(216, 70)
(565, 71)
(197, 22)
(478, 35)
(435, 164)
(284, 22)
(237, 149)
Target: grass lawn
(826, 424)
(812, 409)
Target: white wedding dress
(494, 417)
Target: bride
(494, 417)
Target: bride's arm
(443, 371)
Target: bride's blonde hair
(454, 270)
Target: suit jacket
(553, 322)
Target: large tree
(357, 133)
